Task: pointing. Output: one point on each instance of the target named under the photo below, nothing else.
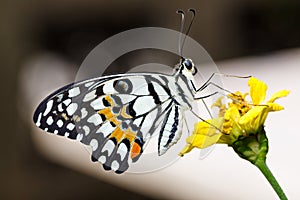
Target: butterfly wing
(115, 115)
(171, 129)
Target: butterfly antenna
(180, 12)
(191, 10)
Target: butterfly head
(187, 68)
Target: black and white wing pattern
(116, 115)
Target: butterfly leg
(209, 82)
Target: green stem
(262, 166)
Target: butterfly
(116, 115)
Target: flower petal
(277, 95)
(208, 127)
(257, 90)
(204, 135)
(231, 116)
(186, 149)
(274, 107)
(254, 118)
(203, 141)
(199, 141)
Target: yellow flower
(252, 120)
(240, 118)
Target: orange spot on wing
(120, 134)
(109, 99)
(115, 121)
(135, 150)
(117, 134)
(106, 112)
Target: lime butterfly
(117, 114)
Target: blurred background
(59, 34)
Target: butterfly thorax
(184, 76)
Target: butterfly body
(116, 115)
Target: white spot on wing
(74, 92)
(67, 134)
(72, 108)
(94, 144)
(122, 150)
(59, 123)
(102, 159)
(49, 120)
(108, 88)
(67, 102)
(97, 104)
(95, 119)
(60, 109)
(70, 126)
(55, 131)
(83, 113)
(59, 97)
(115, 165)
(109, 147)
(89, 96)
(79, 137)
(48, 107)
(38, 122)
(86, 130)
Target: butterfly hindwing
(127, 119)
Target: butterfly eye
(188, 64)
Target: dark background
(71, 28)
